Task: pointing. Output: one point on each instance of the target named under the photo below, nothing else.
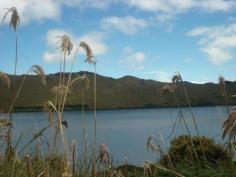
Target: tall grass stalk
(65, 96)
(14, 23)
(91, 60)
(222, 86)
(61, 90)
(229, 127)
(172, 89)
(191, 112)
(85, 85)
(95, 121)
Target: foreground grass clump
(193, 149)
(190, 158)
(53, 166)
(181, 163)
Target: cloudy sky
(151, 39)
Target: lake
(125, 132)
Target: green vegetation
(126, 92)
(182, 151)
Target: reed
(221, 81)
(91, 60)
(85, 85)
(60, 92)
(171, 88)
(229, 129)
(14, 23)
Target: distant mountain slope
(125, 92)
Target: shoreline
(77, 108)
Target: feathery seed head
(48, 107)
(4, 122)
(15, 18)
(151, 145)
(38, 70)
(147, 167)
(84, 78)
(5, 79)
(176, 78)
(60, 90)
(65, 44)
(229, 124)
(75, 80)
(89, 53)
(221, 81)
(103, 154)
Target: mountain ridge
(121, 93)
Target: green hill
(125, 92)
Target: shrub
(190, 149)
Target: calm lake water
(125, 132)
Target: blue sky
(151, 39)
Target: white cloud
(181, 6)
(150, 5)
(217, 42)
(134, 60)
(163, 20)
(217, 5)
(159, 75)
(200, 31)
(93, 39)
(163, 76)
(32, 9)
(38, 10)
(51, 57)
(127, 25)
(198, 82)
(201, 81)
